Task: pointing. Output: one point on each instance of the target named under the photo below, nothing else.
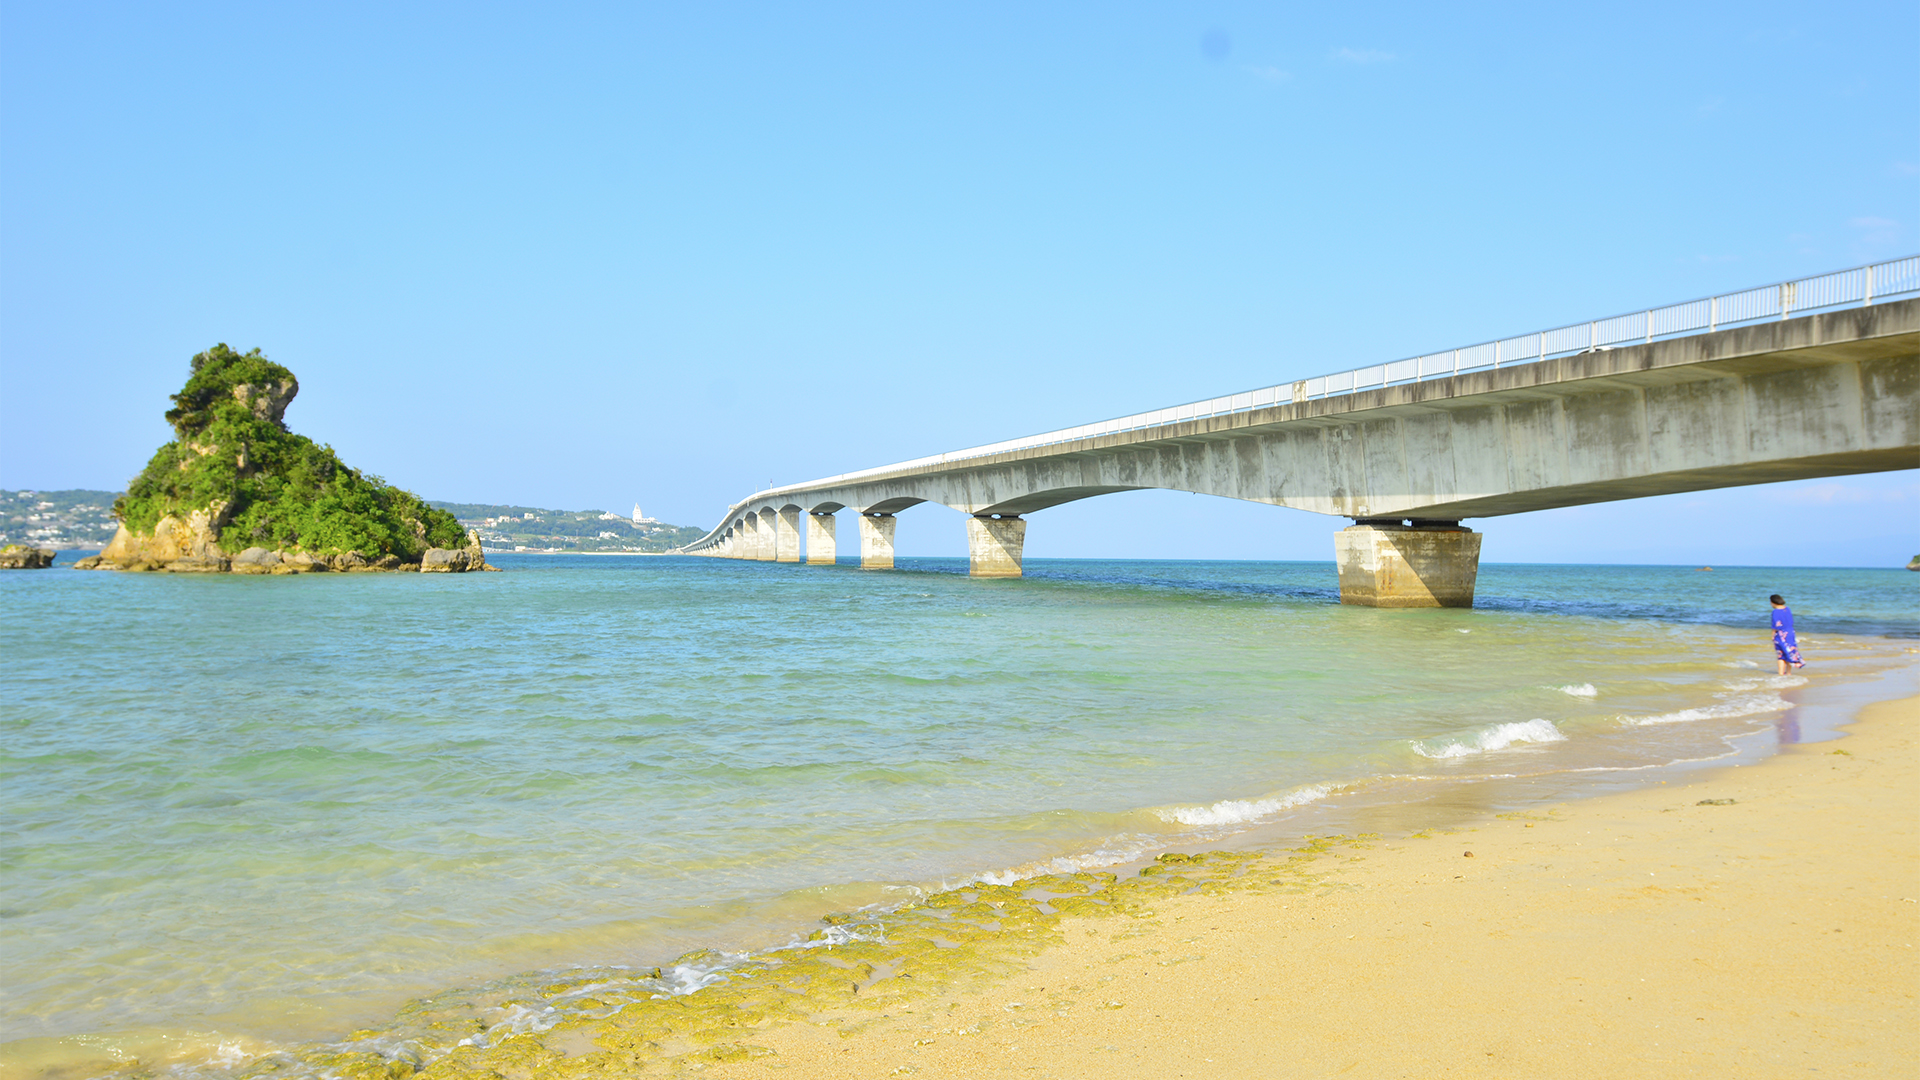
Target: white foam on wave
(1119, 850)
(1736, 706)
(1242, 811)
(1490, 738)
(1585, 690)
(1769, 682)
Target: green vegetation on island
(277, 489)
(235, 478)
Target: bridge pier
(876, 541)
(1392, 564)
(761, 526)
(820, 549)
(786, 534)
(994, 546)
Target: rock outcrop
(22, 557)
(456, 560)
(182, 547)
(444, 561)
(236, 480)
(258, 560)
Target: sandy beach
(1755, 921)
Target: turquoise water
(242, 813)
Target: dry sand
(1638, 934)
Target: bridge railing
(1860, 285)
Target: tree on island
(234, 477)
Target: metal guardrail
(1860, 285)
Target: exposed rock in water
(22, 557)
(444, 561)
(236, 479)
(456, 560)
(194, 544)
(258, 560)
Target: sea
(244, 815)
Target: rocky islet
(237, 492)
(25, 557)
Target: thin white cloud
(1876, 231)
(1270, 73)
(1363, 56)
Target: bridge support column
(994, 546)
(876, 541)
(786, 534)
(1389, 564)
(820, 550)
(764, 544)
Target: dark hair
(1778, 599)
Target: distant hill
(62, 520)
(531, 528)
(83, 520)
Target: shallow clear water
(273, 809)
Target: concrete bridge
(1411, 449)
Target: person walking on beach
(1784, 645)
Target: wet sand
(1752, 921)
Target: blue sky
(587, 255)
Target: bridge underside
(1823, 395)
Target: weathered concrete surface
(876, 541)
(1395, 566)
(786, 534)
(994, 546)
(1821, 395)
(820, 545)
(760, 532)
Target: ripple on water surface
(276, 808)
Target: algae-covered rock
(235, 478)
(22, 557)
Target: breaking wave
(1243, 811)
(1488, 739)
